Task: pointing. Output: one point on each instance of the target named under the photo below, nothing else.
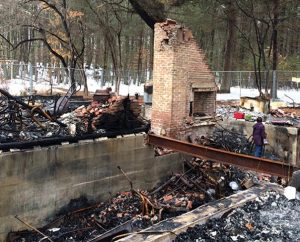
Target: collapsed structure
(36, 183)
(27, 122)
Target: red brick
(177, 66)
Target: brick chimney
(183, 84)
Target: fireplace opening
(204, 103)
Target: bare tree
(59, 28)
(231, 13)
(263, 25)
(112, 41)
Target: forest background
(116, 36)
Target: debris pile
(271, 217)
(232, 141)
(227, 140)
(228, 111)
(202, 181)
(22, 120)
(117, 113)
(199, 120)
(285, 117)
(279, 116)
(81, 221)
(135, 210)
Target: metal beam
(277, 168)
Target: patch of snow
(20, 86)
(237, 92)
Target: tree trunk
(140, 55)
(89, 51)
(105, 61)
(150, 11)
(229, 50)
(275, 33)
(126, 60)
(84, 78)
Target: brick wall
(179, 68)
(204, 102)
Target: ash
(271, 217)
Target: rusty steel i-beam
(276, 168)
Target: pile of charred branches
(227, 140)
(135, 210)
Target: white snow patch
(237, 92)
(19, 86)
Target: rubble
(279, 116)
(117, 113)
(227, 140)
(227, 111)
(285, 117)
(271, 217)
(22, 120)
(82, 220)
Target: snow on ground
(131, 89)
(237, 92)
(19, 86)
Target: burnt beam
(277, 168)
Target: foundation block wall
(179, 69)
(35, 184)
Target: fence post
(274, 85)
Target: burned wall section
(35, 184)
(180, 71)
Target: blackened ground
(81, 221)
(271, 217)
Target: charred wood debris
(222, 138)
(27, 120)
(271, 217)
(134, 210)
(37, 118)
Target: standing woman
(259, 135)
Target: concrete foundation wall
(283, 141)
(37, 183)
